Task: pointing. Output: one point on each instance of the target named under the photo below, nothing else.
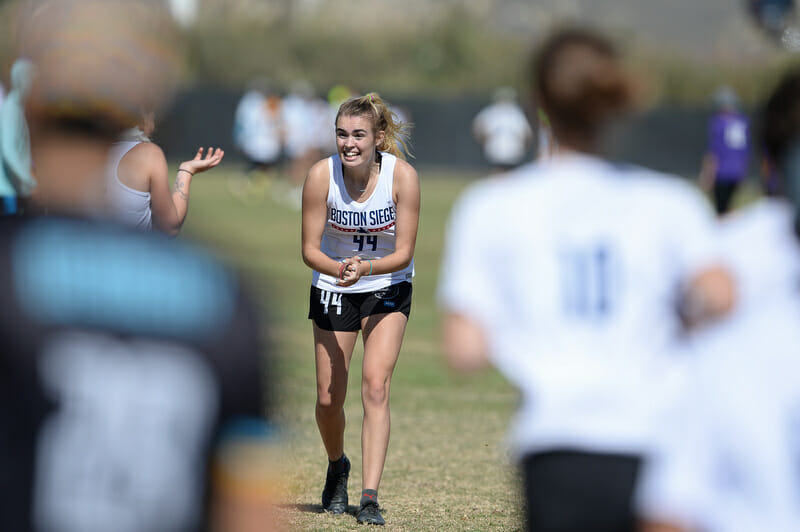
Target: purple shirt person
(727, 157)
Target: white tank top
(366, 229)
(129, 206)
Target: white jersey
(366, 229)
(323, 133)
(128, 205)
(761, 251)
(257, 129)
(505, 132)
(299, 121)
(572, 268)
(728, 460)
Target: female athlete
(566, 274)
(360, 218)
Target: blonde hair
(397, 133)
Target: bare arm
(653, 526)
(708, 172)
(169, 207)
(407, 198)
(315, 216)
(710, 295)
(244, 496)
(465, 345)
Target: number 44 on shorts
(331, 298)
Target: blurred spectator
(546, 143)
(131, 363)
(727, 157)
(503, 130)
(772, 15)
(324, 128)
(16, 181)
(566, 275)
(137, 181)
(727, 459)
(771, 181)
(337, 95)
(258, 126)
(301, 111)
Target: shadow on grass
(316, 508)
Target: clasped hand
(352, 272)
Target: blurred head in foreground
(133, 380)
(99, 64)
(579, 82)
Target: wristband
(370, 267)
(187, 171)
(342, 268)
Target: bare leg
(383, 336)
(333, 351)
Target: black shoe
(369, 514)
(334, 496)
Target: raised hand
(202, 163)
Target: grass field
(447, 468)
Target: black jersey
(122, 356)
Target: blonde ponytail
(397, 133)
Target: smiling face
(356, 140)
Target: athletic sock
(369, 496)
(337, 466)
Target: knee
(328, 402)
(375, 392)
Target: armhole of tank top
(390, 180)
(116, 170)
(332, 179)
(119, 155)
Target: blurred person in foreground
(360, 220)
(727, 156)
(566, 275)
(727, 459)
(16, 180)
(503, 131)
(132, 382)
(137, 180)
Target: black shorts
(333, 311)
(723, 194)
(576, 491)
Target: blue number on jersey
(372, 240)
(586, 281)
